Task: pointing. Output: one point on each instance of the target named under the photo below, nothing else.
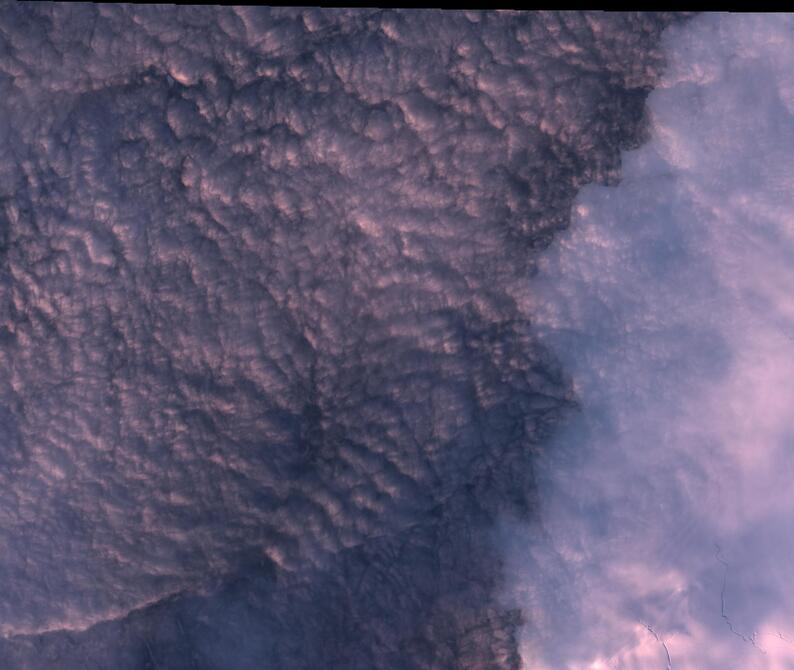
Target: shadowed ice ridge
(664, 533)
(267, 373)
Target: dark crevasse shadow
(269, 367)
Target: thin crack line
(661, 642)
(751, 639)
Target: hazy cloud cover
(267, 366)
(664, 536)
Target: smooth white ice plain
(665, 535)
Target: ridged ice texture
(261, 314)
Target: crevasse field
(395, 340)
